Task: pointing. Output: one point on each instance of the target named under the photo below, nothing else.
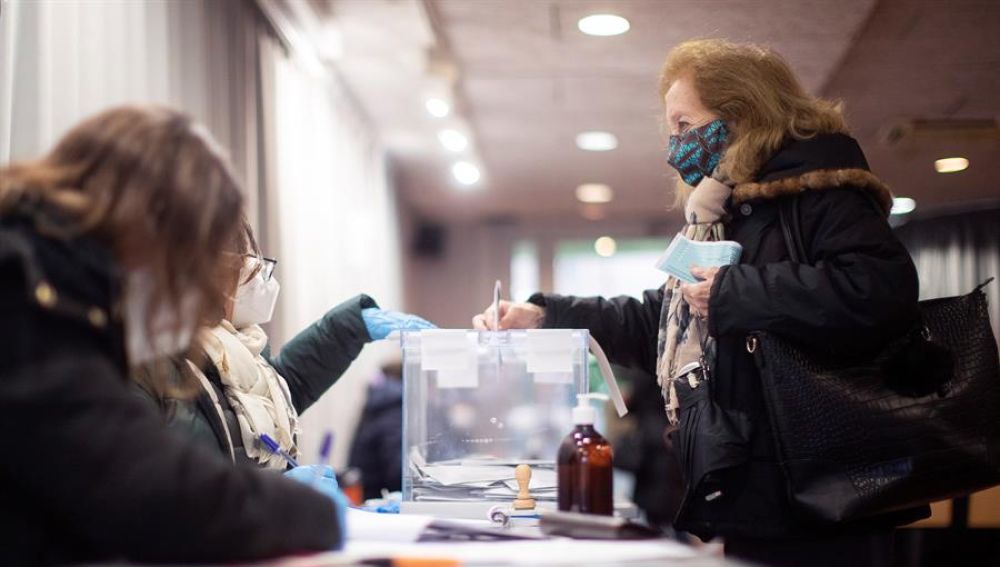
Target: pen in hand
(275, 448)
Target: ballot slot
(479, 403)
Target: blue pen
(273, 446)
(324, 452)
(325, 448)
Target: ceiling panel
(528, 82)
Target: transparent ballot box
(479, 403)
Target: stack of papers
(462, 481)
(683, 253)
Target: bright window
(579, 270)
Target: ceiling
(526, 81)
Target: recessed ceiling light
(603, 25)
(951, 164)
(594, 193)
(453, 140)
(437, 107)
(595, 141)
(903, 205)
(605, 246)
(465, 173)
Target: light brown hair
(152, 186)
(755, 92)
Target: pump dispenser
(584, 464)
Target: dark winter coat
(89, 474)
(310, 363)
(377, 449)
(858, 290)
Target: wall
(314, 172)
(451, 289)
(330, 220)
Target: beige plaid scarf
(683, 344)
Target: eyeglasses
(267, 266)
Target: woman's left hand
(381, 323)
(697, 295)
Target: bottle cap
(584, 413)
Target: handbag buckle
(752, 343)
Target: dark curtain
(956, 251)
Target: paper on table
(540, 479)
(494, 462)
(507, 493)
(371, 526)
(549, 350)
(467, 475)
(546, 552)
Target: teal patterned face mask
(696, 153)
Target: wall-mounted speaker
(429, 240)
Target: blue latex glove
(323, 479)
(380, 322)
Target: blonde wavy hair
(755, 92)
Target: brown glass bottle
(584, 470)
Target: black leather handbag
(916, 423)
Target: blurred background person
(244, 392)
(377, 449)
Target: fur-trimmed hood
(827, 161)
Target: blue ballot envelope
(683, 253)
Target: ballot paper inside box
(479, 403)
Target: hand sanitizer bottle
(584, 464)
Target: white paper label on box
(549, 351)
(446, 349)
(468, 378)
(553, 378)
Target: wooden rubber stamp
(524, 500)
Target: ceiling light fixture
(603, 25)
(437, 107)
(466, 173)
(453, 140)
(903, 205)
(951, 164)
(596, 141)
(594, 193)
(605, 246)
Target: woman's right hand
(512, 316)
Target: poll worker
(242, 392)
(109, 249)
(744, 135)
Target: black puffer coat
(859, 289)
(88, 473)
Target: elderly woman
(744, 137)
